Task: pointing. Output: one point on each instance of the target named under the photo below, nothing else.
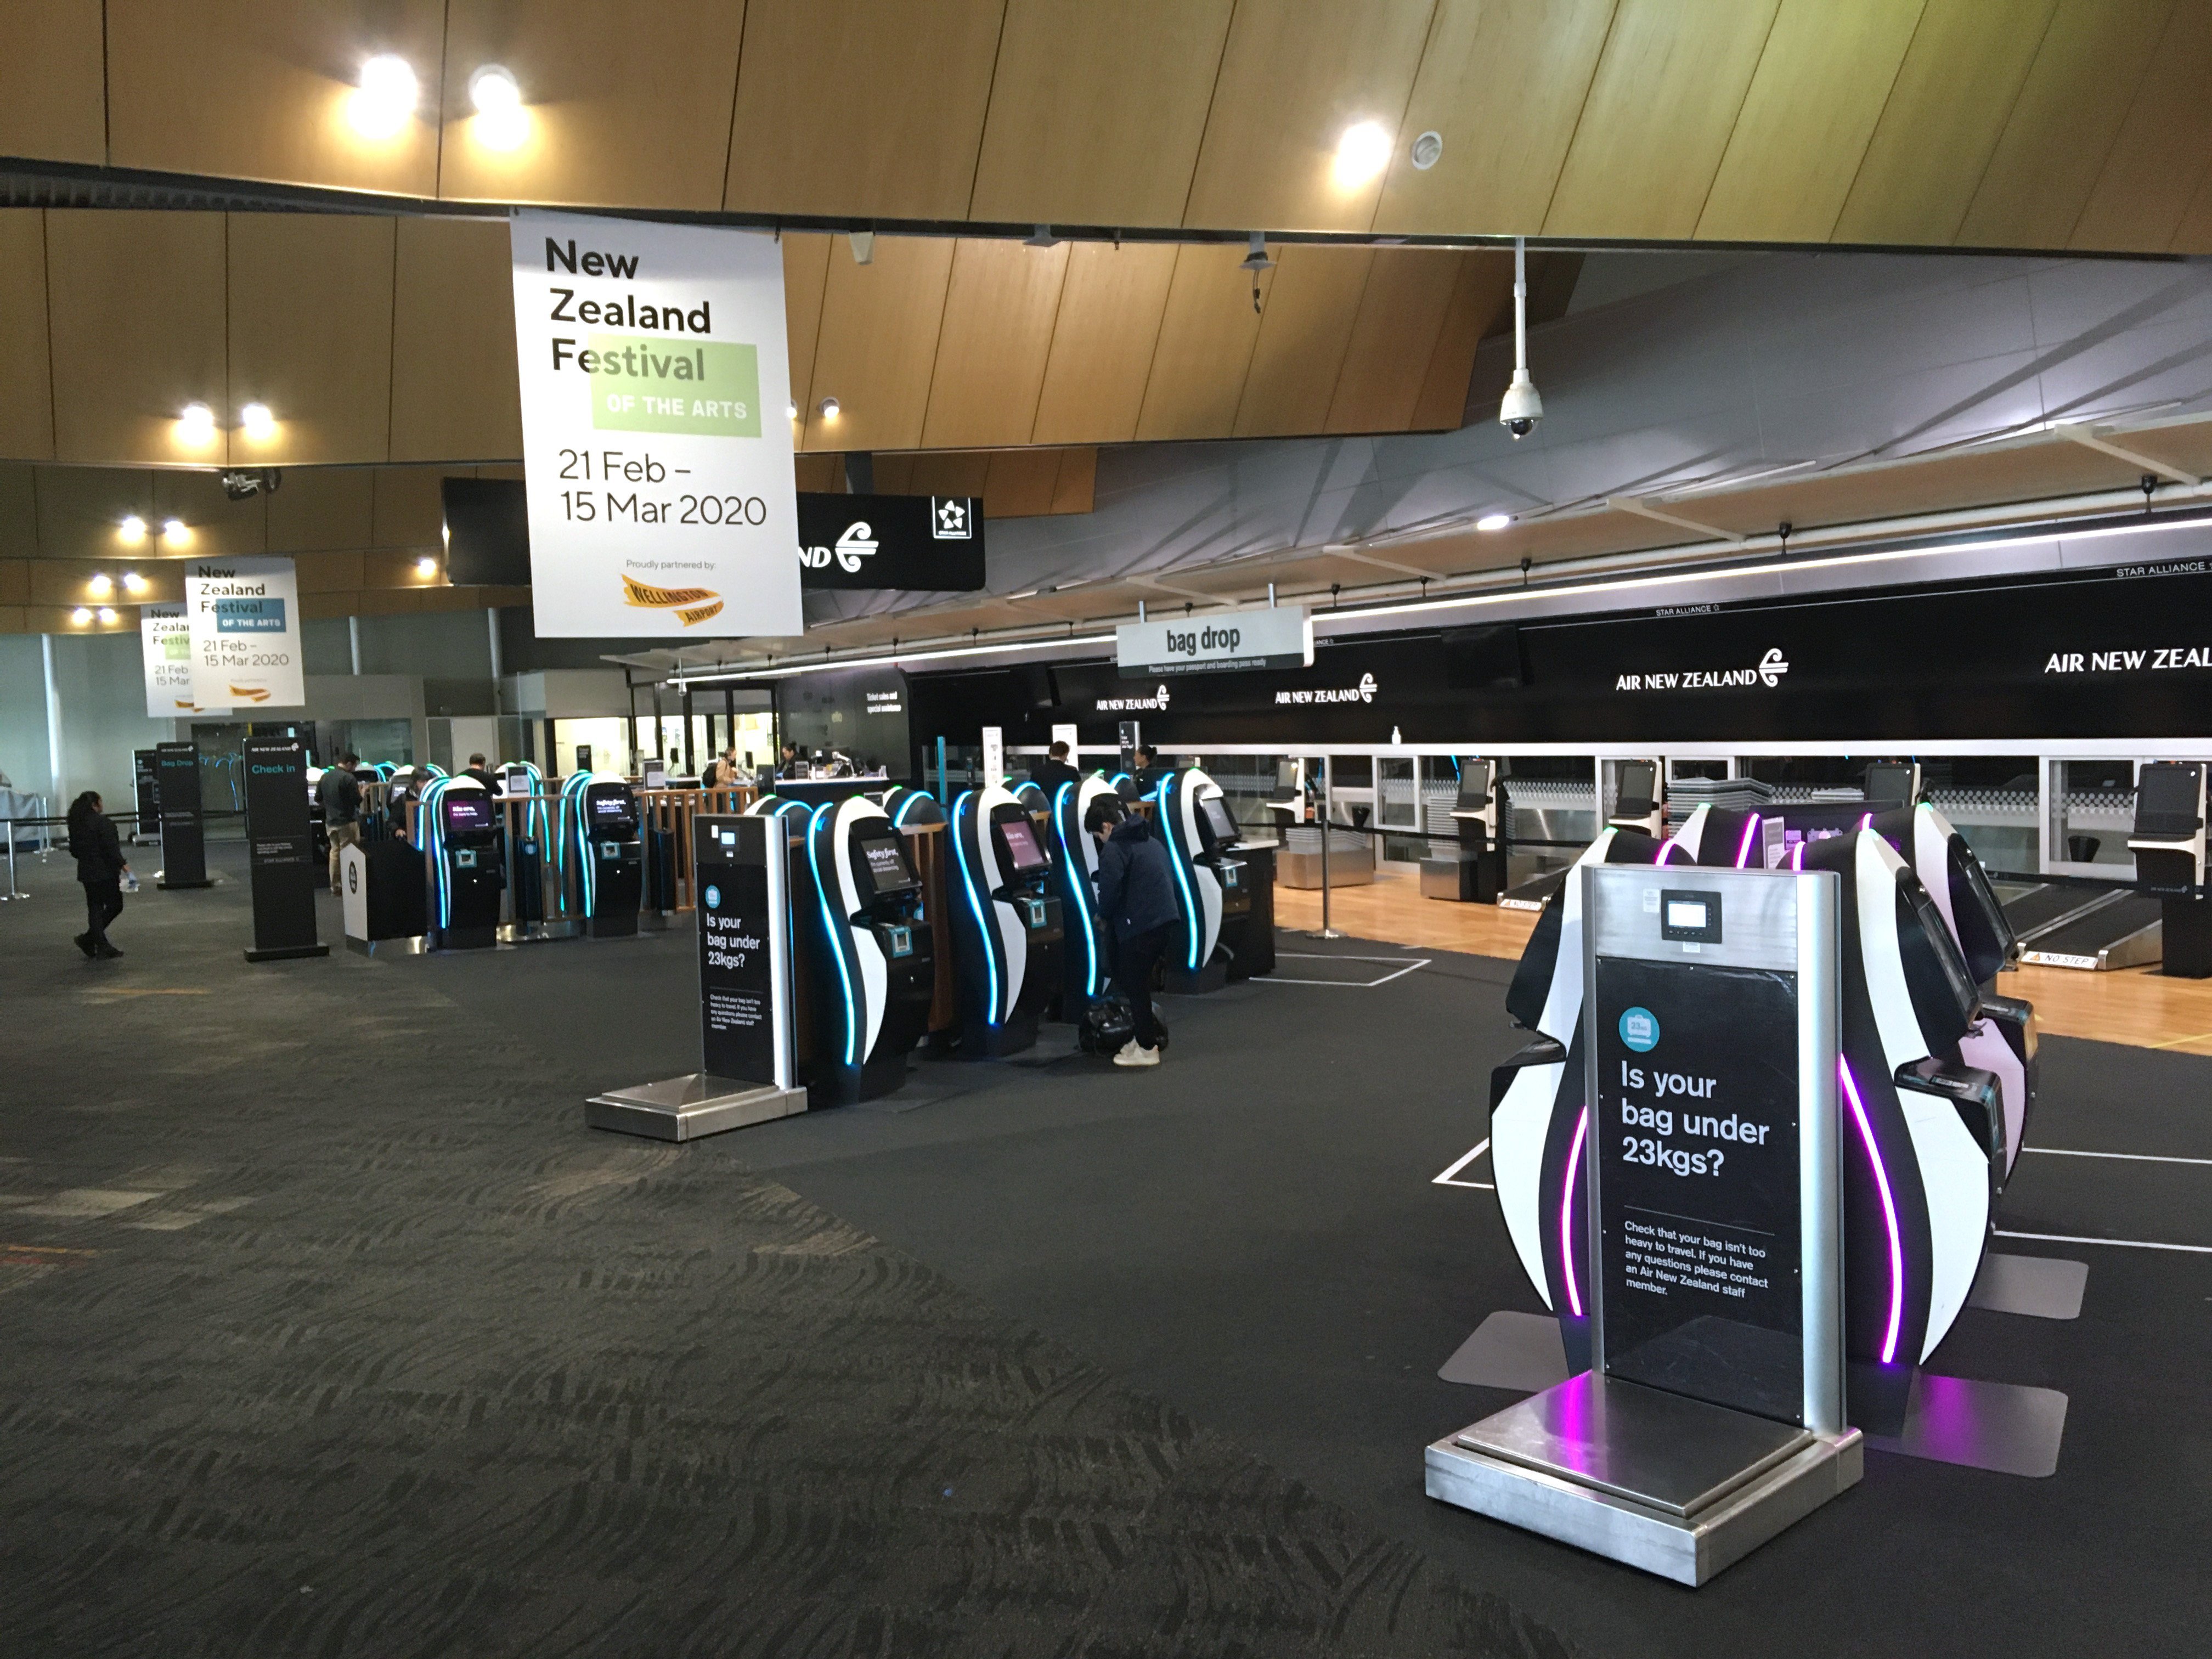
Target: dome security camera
(1521, 407)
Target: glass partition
(2092, 808)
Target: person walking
(338, 793)
(101, 865)
(1136, 896)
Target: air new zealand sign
(923, 543)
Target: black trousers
(1136, 959)
(103, 903)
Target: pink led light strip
(1567, 1216)
(1888, 1214)
(1743, 848)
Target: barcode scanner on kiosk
(2169, 845)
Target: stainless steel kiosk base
(686, 1108)
(1654, 1480)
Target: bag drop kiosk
(1210, 893)
(747, 1066)
(602, 828)
(1006, 924)
(2169, 846)
(1086, 954)
(1705, 1178)
(1639, 801)
(1475, 872)
(467, 874)
(875, 972)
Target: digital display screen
(2166, 791)
(1474, 784)
(1217, 819)
(1021, 844)
(888, 870)
(1638, 780)
(518, 780)
(610, 807)
(469, 809)
(1888, 780)
(1685, 913)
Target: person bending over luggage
(98, 851)
(1136, 896)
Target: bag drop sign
(657, 458)
(1274, 636)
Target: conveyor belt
(2122, 932)
(2038, 909)
(1531, 894)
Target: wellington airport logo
(692, 606)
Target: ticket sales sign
(657, 453)
(1275, 637)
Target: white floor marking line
(1342, 984)
(2127, 1243)
(1448, 1178)
(2133, 1158)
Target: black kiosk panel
(1474, 786)
(1215, 812)
(1639, 783)
(883, 860)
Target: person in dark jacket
(1053, 771)
(338, 791)
(98, 851)
(1136, 897)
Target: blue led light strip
(829, 930)
(966, 880)
(1175, 859)
(428, 807)
(1077, 873)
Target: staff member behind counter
(1136, 897)
(1053, 770)
(482, 773)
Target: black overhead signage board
(2100, 654)
(1694, 1135)
(280, 845)
(926, 543)
(737, 981)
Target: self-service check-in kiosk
(1475, 870)
(1702, 1233)
(1086, 964)
(1006, 923)
(875, 972)
(1639, 800)
(602, 830)
(467, 874)
(2169, 845)
(1725, 838)
(1194, 820)
(1896, 781)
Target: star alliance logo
(950, 517)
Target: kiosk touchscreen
(2169, 845)
(1639, 802)
(1006, 923)
(1705, 1183)
(875, 974)
(467, 873)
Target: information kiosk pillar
(1706, 1178)
(2168, 843)
(184, 845)
(280, 851)
(747, 1071)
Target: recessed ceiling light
(1493, 521)
(426, 566)
(385, 97)
(174, 530)
(1428, 150)
(132, 529)
(196, 423)
(100, 586)
(1361, 154)
(256, 419)
(133, 582)
(791, 410)
(830, 408)
(106, 614)
(502, 123)
(81, 616)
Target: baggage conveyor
(2085, 927)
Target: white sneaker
(1130, 1054)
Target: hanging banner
(657, 455)
(244, 618)
(165, 646)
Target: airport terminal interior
(1105, 827)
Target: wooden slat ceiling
(374, 338)
(2010, 124)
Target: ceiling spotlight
(1428, 150)
(196, 424)
(81, 616)
(426, 567)
(107, 613)
(1493, 521)
(256, 419)
(133, 582)
(502, 122)
(791, 410)
(100, 586)
(829, 408)
(132, 529)
(1361, 154)
(174, 530)
(386, 97)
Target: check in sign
(1274, 636)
